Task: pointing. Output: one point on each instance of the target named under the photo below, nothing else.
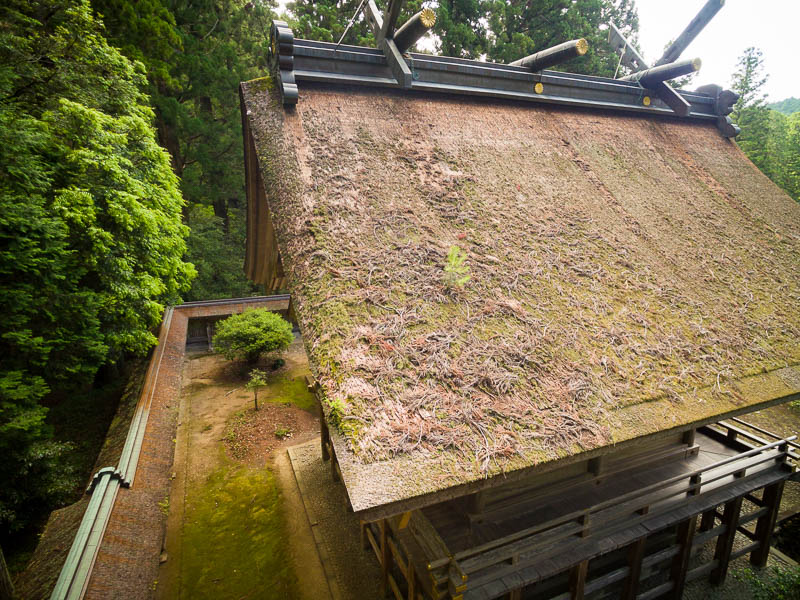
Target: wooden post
(476, 503)
(386, 556)
(595, 465)
(689, 436)
(334, 466)
(681, 561)
(411, 580)
(364, 541)
(635, 555)
(584, 520)
(696, 480)
(766, 524)
(577, 579)
(324, 436)
(707, 522)
(722, 553)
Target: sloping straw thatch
(626, 276)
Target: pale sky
(771, 25)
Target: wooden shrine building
(536, 305)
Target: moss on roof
(625, 274)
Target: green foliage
(781, 583)
(460, 27)
(519, 28)
(217, 255)
(501, 30)
(787, 106)
(769, 138)
(248, 335)
(456, 273)
(282, 432)
(337, 410)
(90, 229)
(257, 380)
(33, 478)
(195, 55)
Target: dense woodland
(123, 183)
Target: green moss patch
(287, 389)
(234, 540)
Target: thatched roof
(627, 276)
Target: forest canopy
(90, 227)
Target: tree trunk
(6, 587)
(255, 397)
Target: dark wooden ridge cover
(628, 277)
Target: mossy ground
(289, 388)
(233, 537)
(230, 538)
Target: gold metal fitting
(428, 17)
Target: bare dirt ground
(235, 527)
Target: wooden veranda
(637, 527)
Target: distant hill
(787, 107)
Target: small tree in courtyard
(257, 379)
(249, 335)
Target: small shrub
(336, 407)
(456, 273)
(164, 505)
(282, 432)
(249, 335)
(782, 583)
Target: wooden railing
(741, 431)
(450, 575)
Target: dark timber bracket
(631, 59)
(282, 58)
(667, 67)
(383, 30)
(527, 79)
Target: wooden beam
(390, 21)
(766, 524)
(633, 60)
(577, 580)
(696, 25)
(680, 563)
(374, 18)
(722, 553)
(635, 556)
